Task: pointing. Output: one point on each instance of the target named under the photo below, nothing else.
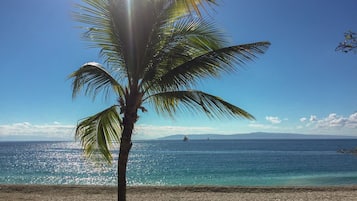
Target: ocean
(195, 162)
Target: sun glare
(129, 17)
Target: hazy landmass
(254, 136)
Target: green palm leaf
(196, 101)
(100, 23)
(95, 78)
(191, 49)
(211, 64)
(99, 132)
(179, 42)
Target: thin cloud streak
(54, 131)
(273, 120)
(312, 124)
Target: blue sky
(301, 85)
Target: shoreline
(184, 193)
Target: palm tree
(154, 55)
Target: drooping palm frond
(195, 101)
(95, 78)
(99, 132)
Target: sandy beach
(94, 193)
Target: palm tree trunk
(130, 117)
(125, 146)
(133, 101)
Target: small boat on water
(348, 151)
(185, 139)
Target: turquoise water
(214, 162)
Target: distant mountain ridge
(254, 136)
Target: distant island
(254, 136)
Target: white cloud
(303, 119)
(273, 120)
(336, 121)
(313, 118)
(331, 122)
(352, 121)
(309, 121)
(26, 130)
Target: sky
(300, 85)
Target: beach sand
(95, 193)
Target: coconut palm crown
(154, 53)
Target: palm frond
(164, 16)
(181, 42)
(210, 64)
(195, 101)
(95, 78)
(99, 132)
(97, 19)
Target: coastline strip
(183, 193)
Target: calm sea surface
(214, 162)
